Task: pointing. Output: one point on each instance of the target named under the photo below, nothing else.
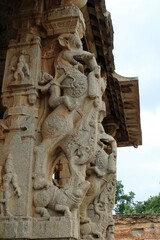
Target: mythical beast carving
(101, 175)
(65, 200)
(72, 125)
(74, 111)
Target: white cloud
(137, 53)
(139, 169)
(151, 129)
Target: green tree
(150, 206)
(125, 204)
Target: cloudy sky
(137, 53)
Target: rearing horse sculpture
(73, 98)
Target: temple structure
(64, 110)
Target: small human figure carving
(54, 87)
(102, 165)
(21, 71)
(93, 76)
(9, 178)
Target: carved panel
(64, 19)
(18, 69)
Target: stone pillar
(57, 164)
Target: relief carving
(99, 174)
(54, 110)
(21, 72)
(72, 129)
(9, 181)
(19, 69)
(68, 94)
(63, 200)
(55, 24)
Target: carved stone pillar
(57, 164)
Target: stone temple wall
(137, 227)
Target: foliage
(125, 204)
(150, 206)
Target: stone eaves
(122, 93)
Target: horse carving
(75, 99)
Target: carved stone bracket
(67, 18)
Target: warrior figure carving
(9, 178)
(70, 101)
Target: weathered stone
(137, 227)
(52, 121)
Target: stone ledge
(38, 228)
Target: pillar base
(38, 228)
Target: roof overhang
(122, 93)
